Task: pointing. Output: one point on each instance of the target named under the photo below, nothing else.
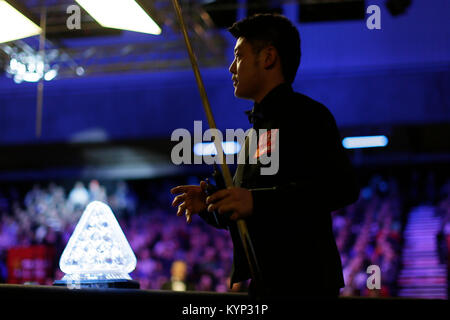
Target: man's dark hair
(262, 30)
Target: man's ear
(270, 57)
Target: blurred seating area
(369, 232)
(47, 216)
(443, 211)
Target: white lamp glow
(365, 142)
(120, 14)
(14, 25)
(209, 148)
(97, 249)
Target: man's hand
(238, 201)
(192, 200)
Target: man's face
(245, 70)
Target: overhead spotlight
(29, 67)
(79, 71)
(397, 7)
(14, 25)
(365, 142)
(120, 14)
(51, 74)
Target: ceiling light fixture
(120, 14)
(14, 25)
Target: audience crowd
(443, 237)
(47, 216)
(368, 232)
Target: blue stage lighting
(209, 149)
(365, 142)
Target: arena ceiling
(93, 49)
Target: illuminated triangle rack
(98, 254)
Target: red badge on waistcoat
(266, 143)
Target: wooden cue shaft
(242, 226)
(40, 86)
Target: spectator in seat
(178, 281)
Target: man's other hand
(237, 201)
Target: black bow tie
(253, 116)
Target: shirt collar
(266, 107)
